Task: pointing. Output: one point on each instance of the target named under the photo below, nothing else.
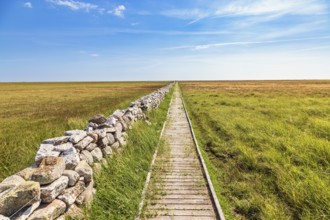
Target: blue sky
(108, 40)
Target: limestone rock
(76, 135)
(10, 182)
(100, 132)
(63, 147)
(51, 191)
(72, 175)
(98, 119)
(117, 135)
(119, 127)
(110, 130)
(111, 138)
(70, 194)
(50, 169)
(4, 217)
(103, 142)
(86, 197)
(87, 156)
(107, 151)
(27, 172)
(84, 170)
(18, 197)
(71, 158)
(94, 136)
(57, 140)
(115, 145)
(124, 135)
(26, 212)
(49, 211)
(46, 150)
(112, 120)
(97, 154)
(91, 147)
(122, 142)
(84, 143)
(74, 212)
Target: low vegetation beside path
(266, 144)
(32, 112)
(120, 185)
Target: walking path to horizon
(178, 189)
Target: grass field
(266, 144)
(120, 185)
(32, 112)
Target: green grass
(120, 185)
(32, 112)
(266, 145)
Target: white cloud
(95, 55)
(75, 5)
(28, 5)
(118, 11)
(185, 14)
(240, 43)
(266, 7)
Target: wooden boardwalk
(178, 189)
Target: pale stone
(115, 145)
(107, 151)
(51, 191)
(86, 197)
(71, 158)
(50, 169)
(117, 135)
(26, 212)
(112, 120)
(104, 162)
(57, 140)
(4, 217)
(84, 170)
(100, 132)
(111, 138)
(84, 143)
(122, 142)
(72, 175)
(49, 211)
(94, 136)
(91, 147)
(18, 197)
(110, 130)
(10, 182)
(119, 127)
(103, 142)
(87, 156)
(27, 172)
(97, 154)
(74, 212)
(76, 135)
(63, 147)
(70, 194)
(46, 150)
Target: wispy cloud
(75, 5)
(240, 43)
(28, 5)
(118, 11)
(94, 55)
(185, 14)
(264, 7)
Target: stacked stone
(61, 179)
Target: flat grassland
(266, 145)
(32, 112)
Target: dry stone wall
(61, 179)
